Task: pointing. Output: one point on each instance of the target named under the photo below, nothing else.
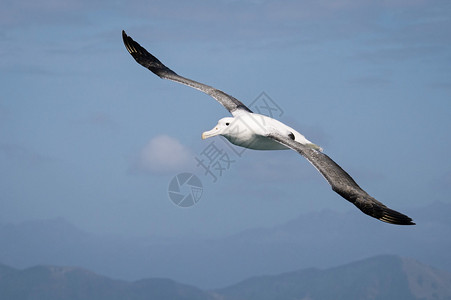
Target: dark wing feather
(144, 58)
(343, 184)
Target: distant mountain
(381, 277)
(65, 283)
(6, 271)
(322, 239)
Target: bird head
(219, 129)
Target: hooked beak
(207, 134)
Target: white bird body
(251, 130)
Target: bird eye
(227, 124)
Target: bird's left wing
(147, 60)
(343, 184)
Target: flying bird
(256, 131)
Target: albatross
(259, 132)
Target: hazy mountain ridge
(381, 277)
(53, 282)
(300, 243)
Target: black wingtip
(129, 43)
(394, 217)
(375, 209)
(124, 36)
(144, 58)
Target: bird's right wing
(147, 60)
(343, 184)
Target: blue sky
(89, 135)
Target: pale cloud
(161, 154)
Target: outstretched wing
(343, 184)
(144, 58)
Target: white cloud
(160, 155)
